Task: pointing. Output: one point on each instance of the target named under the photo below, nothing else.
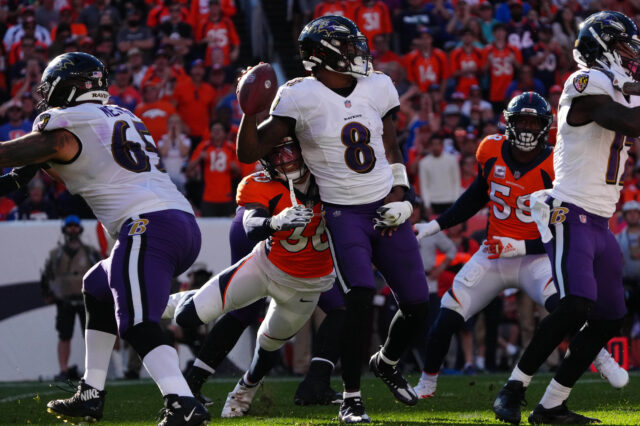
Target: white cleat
(239, 400)
(426, 388)
(609, 369)
(174, 300)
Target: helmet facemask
(354, 55)
(526, 129)
(629, 52)
(285, 162)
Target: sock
(480, 362)
(429, 377)
(261, 364)
(356, 323)
(518, 375)
(326, 344)
(355, 394)
(221, 339)
(98, 347)
(603, 356)
(555, 395)
(408, 321)
(196, 377)
(439, 340)
(204, 366)
(163, 366)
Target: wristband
(399, 172)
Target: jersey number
(129, 153)
(523, 211)
(359, 155)
(297, 242)
(613, 166)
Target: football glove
(427, 229)
(393, 214)
(290, 218)
(615, 71)
(503, 247)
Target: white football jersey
(341, 137)
(117, 170)
(589, 160)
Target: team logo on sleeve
(580, 82)
(42, 123)
(500, 172)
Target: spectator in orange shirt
(381, 52)
(175, 31)
(66, 17)
(466, 63)
(169, 74)
(218, 32)
(330, 7)
(200, 10)
(154, 111)
(427, 65)
(161, 13)
(122, 92)
(218, 161)
(372, 17)
(194, 99)
(500, 59)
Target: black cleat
(196, 377)
(316, 392)
(509, 401)
(204, 400)
(86, 405)
(559, 415)
(352, 411)
(183, 411)
(391, 377)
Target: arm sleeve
(534, 246)
(256, 223)
(469, 203)
(17, 178)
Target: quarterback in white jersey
(105, 154)
(595, 119)
(342, 116)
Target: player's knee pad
(145, 337)
(186, 314)
(359, 299)
(415, 313)
(269, 343)
(100, 316)
(454, 304)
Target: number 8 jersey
(341, 136)
(117, 169)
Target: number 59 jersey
(509, 185)
(117, 170)
(341, 137)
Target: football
(257, 88)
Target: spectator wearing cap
(61, 283)
(466, 62)
(475, 100)
(194, 99)
(521, 32)
(409, 22)
(16, 125)
(218, 32)
(122, 91)
(154, 111)
(427, 64)
(91, 14)
(526, 82)
(629, 241)
(27, 25)
(545, 57)
(452, 119)
(135, 63)
(500, 61)
(78, 29)
(372, 18)
(135, 34)
(175, 31)
(439, 177)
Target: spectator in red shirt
(163, 70)
(372, 17)
(218, 32)
(500, 59)
(381, 52)
(122, 92)
(330, 7)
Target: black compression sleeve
(534, 246)
(256, 223)
(17, 178)
(468, 204)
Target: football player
(510, 167)
(343, 117)
(291, 263)
(595, 119)
(105, 154)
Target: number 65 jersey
(117, 169)
(341, 136)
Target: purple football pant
(152, 248)
(356, 245)
(586, 259)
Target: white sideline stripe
(32, 395)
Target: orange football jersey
(302, 252)
(509, 187)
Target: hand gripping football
(257, 88)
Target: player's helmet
(335, 43)
(285, 161)
(609, 36)
(73, 78)
(528, 119)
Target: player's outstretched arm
(254, 142)
(39, 147)
(606, 112)
(17, 178)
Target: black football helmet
(609, 36)
(73, 78)
(285, 161)
(335, 43)
(523, 132)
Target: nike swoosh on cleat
(187, 418)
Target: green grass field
(460, 400)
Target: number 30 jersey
(509, 185)
(302, 252)
(117, 170)
(341, 137)
(589, 159)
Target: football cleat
(610, 370)
(352, 411)
(426, 388)
(316, 392)
(239, 399)
(196, 377)
(391, 377)
(559, 415)
(86, 405)
(509, 401)
(183, 411)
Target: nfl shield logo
(583, 218)
(580, 82)
(347, 103)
